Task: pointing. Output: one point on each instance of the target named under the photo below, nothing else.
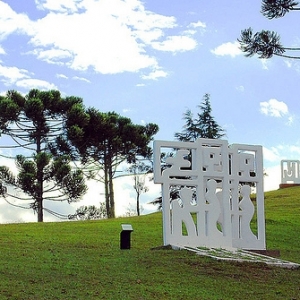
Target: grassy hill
(82, 260)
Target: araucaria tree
(203, 126)
(33, 122)
(104, 141)
(267, 43)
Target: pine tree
(105, 140)
(32, 123)
(203, 126)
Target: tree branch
(278, 8)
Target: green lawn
(82, 260)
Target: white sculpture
(290, 171)
(212, 182)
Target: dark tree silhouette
(32, 123)
(90, 212)
(267, 43)
(104, 141)
(203, 126)
(277, 8)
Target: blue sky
(152, 60)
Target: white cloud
(274, 155)
(265, 63)
(273, 178)
(240, 88)
(190, 32)
(154, 75)
(81, 78)
(11, 21)
(113, 48)
(295, 150)
(290, 120)
(59, 6)
(53, 56)
(109, 36)
(2, 51)
(197, 25)
(271, 155)
(176, 44)
(35, 84)
(124, 190)
(61, 76)
(148, 36)
(288, 63)
(12, 74)
(22, 78)
(229, 48)
(291, 64)
(274, 108)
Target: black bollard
(125, 236)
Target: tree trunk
(40, 211)
(40, 208)
(109, 189)
(138, 204)
(111, 192)
(40, 178)
(106, 189)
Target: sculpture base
(287, 185)
(272, 253)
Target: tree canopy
(277, 8)
(32, 123)
(203, 126)
(103, 141)
(267, 43)
(90, 212)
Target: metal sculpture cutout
(290, 171)
(210, 184)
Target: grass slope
(82, 260)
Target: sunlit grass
(83, 260)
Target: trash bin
(125, 236)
